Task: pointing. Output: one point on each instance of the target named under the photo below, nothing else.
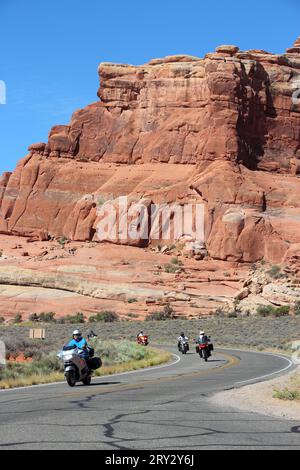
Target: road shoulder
(258, 398)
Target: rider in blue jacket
(79, 342)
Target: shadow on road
(95, 384)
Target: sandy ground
(258, 398)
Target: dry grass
(35, 379)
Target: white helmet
(76, 333)
(202, 333)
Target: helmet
(76, 333)
(202, 333)
(182, 334)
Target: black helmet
(182, 334)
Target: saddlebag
(95, 363)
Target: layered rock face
(223, 131)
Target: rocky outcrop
(223, 131)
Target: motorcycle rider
(182, 338)
(81, 343)
(203, 338)
(141, 334)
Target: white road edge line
(256, 379)
(148, 369)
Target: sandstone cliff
(223, 130)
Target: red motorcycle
(204, 350)
(143, 340)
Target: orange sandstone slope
(223, 131)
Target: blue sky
(50, 50)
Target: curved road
(157, 409)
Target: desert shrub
(275, 272)
(2, 320)
(107, 317)
(297, 308)
(34, 317)
(171, 268)
(132, 301)
(18, 319)
(45, 317)
(287, 394)
(269, 310)
(72, 319)
(166, 314)
(118, 352)
(62, 241)
(48, 317)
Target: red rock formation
(223, 130)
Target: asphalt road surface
(158, 409)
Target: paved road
(165, 408)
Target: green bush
(34, 317)
(107, 317)
(269, 310)
(62, 241)
(171, 268)
(18, 319)
(118, 352)
(48, 317)
(72, 319)
(45, 317)
(287, 394)
(297, 308)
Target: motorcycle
(143, 340)
(77, 368)
(204, 350)
(184, 346)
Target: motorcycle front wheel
(71, 380)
